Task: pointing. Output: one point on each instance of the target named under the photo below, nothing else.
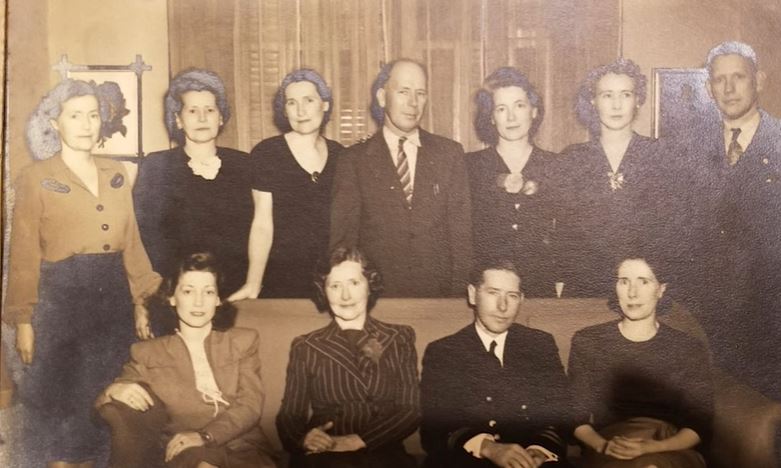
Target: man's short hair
(477, 277)
(732, 48)
(377, 112)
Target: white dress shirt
(410, 149)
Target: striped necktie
(735, 150)
(402, 169)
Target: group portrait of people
(122, 291)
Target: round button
(106, 247)
(99, 207)
(517, 206)
(515, 227)
(523, 407)
(765, 161)
(492, 423)
(104, 227)
(489, 399)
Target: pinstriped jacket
(370, 389)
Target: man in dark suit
(494, 393)
(402, 196)
(737, 195)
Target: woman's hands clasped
(628, 448)
(131, 394)
(181, 442)
(317, 440)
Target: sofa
(746, 424)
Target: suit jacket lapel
(425, 172)
(331, 344)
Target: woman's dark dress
(518, 226)
(665, 378)
(600, 222)
(179, 212)
(302, 210)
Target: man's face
(734, 85)
(404, 98)
(497, 300)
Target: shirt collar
(392, 140)
(747, 130)
(486, 338)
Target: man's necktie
(734, 151)
(402, 168)
(492, 351)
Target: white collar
(392, 139)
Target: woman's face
(637, 289)
(304, 107)
(513, 114)
(200, 118)
(615, 101)
(347, 290)
(196, 298)
(79, 123)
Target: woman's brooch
(372, 350)
(515, 183)
(616, 180)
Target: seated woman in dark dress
(198, 196)
(192, 398)
(293, 174)
(612, 187)
(351, 394)
(645, 387)
(512, 180)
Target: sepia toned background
(252, 44)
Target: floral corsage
(372, 350)
(515, 183)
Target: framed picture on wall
(120, 88)
(680, 100)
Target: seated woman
(646, 387)
(351, 395)
(293, 175)
(512, 180)
(192, 398)
(198, 196)
(613, 189)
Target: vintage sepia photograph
(391, 233)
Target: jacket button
(765, 161)
(489, 399)
(106, 247)
(523, 407)
(104, 227)
(99, 207)
(492, 423)
(515, 227)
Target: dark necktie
(734, 151)
(492, 351)
(402, 169)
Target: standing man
(402, 196)
(738, 195)
(494, 393)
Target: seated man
(494, 393)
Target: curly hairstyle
(377, 112)
(164, 315)
(302, 74)
(585, 109)
(193, 79)
(477, 273)
(484, 100)
(658, 267)
(336, 257)
(732, 48)
(42, 138)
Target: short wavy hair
(42, 138)
(166, 321)
(661, 271)
(377, 112)
(732, 48)
(477, 273)
(193, 79)
(585, 109)
(336, 257)
(484, 100)
(302, 74)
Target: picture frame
(126, 143)
(680, 100)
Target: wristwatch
(207, 438)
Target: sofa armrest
(746, 425)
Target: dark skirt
(84, 327)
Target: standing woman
(512, 180)
(198, 196)
(351, 394)
(644, 392)
(76, 267)
(609, 185)
(293, 175)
